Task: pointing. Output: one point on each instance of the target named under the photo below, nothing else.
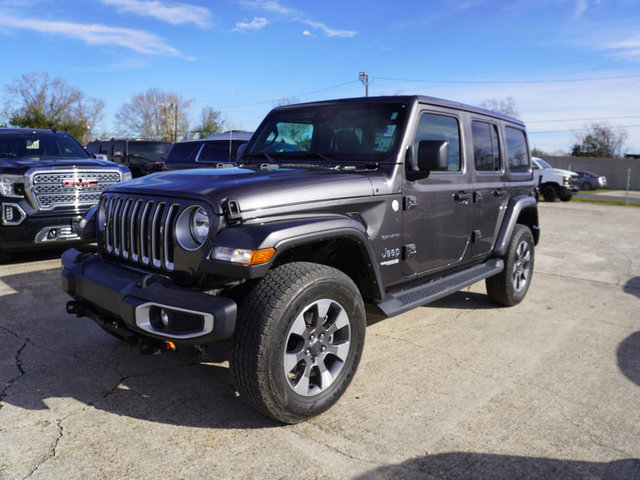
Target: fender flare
(286, 233)
(516, 207)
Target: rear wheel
(510, 286)
(298, 341)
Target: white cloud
(329, 32)
(137, 40)
(626, 48)
(295, 15)
(174, 13)
(306, 33)
(257, 23)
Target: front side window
(517, 150)
(434, 126)
(349, 131)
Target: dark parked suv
(140, 155)
(47, 183)
(336, 210)
(218, 149)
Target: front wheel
(550, 193)
(510, 286)
(298, 341)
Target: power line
(488, 82)
(533, 132)
(581, 119)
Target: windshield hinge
(231, 209)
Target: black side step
(400, 302)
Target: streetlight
(364, 78)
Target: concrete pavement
(460, 389)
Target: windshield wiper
(328, 157)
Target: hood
(21, 166)
(564, 173)
(253, 189)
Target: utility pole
(169, 130)
(364, 78)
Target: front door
(439, 208)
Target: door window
(486, 149)
(433, 126)
(517, 150)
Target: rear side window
(216, 152)
(444, 128)
(517, 150)
(486, 149)
(183, 152)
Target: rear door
(489, 192)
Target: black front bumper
(125, 302)
(31, 233)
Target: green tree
(155, 114)
(36, 101)
(536, 152)
(210, 122)
(599, 140)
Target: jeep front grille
(139, 230)
(50, 189)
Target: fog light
(164, 317)
(53, 233)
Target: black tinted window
(444, 128)
(222, 151)
(517, 150)
(183, 152)
(486, 150)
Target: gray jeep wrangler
(336, 210)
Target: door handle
(499, 193)
(462, 196)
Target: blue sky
(566, 63)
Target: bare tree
(287, 101)
(599, 140)
(210, 122)
(36, 101)
(506, 106)
(155, 114)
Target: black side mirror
(433, 155)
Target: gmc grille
(70, 188)
(140, 230)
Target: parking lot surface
(460, 389)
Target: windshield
(39, 145)
(341, 131)
(149, 149)
(543, 164)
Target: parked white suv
(554, 182)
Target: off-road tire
(565, 198)
(510, 286)
(4, 256)
(264, 339)
(550, 193)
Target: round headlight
(192, 227)
(199, 225)
(102, 213)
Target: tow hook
(74, 308)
